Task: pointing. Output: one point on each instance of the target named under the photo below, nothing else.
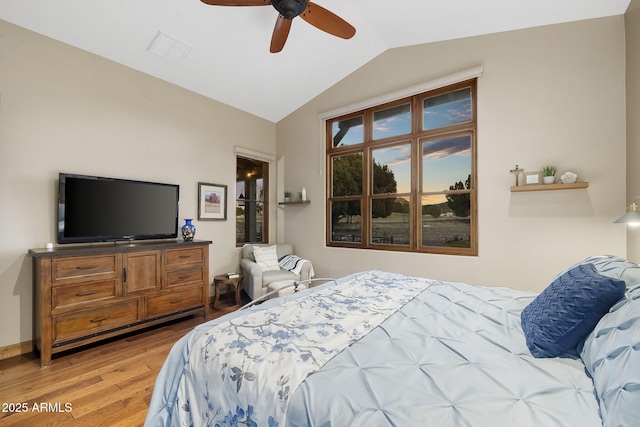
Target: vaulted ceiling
(226, 49)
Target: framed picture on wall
(212, 201)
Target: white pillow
(266, 257)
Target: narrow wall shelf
(296, 202)
(547, 187)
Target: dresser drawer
(66, 295)
(174, 301)
(177, 258)
(83, 323)
(184, 277)
(83, 269)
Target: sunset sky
(444, 161)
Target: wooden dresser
(84, 294)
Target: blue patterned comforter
(374, 349)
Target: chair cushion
(266, 257)
(558, 319)
(276, 276)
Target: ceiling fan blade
(237, 2)
(280, 34)
(327, 21)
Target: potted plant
(549, 174)
(287, 196)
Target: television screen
(98, 209)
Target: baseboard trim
(16, 349)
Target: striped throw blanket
(294, 264)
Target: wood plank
(107, 384)
(548, 187)
(15, 350)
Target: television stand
(85, 294)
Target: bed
(383, 349)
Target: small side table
(222, 279)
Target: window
(251, 201)
(402, 176)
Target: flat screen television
(98, 209)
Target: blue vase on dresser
(188, 230)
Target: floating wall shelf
(547, 187)
(296, 202)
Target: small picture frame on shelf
(532, 178)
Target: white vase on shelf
(548, 179)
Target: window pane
(446, 163)
(240, 225)
(446, 221)
(390, 221)
(448, 109)
(250, 194)
(392, 122)
(347, 175)
(249, 222)
(345, 221)
(347, 132)
(392, 170)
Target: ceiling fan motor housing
(289, 8)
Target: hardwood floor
(102, 385)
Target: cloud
(442, 148)
(403, 156)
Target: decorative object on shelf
(303, 194)
(532, 178)
(188, 230)
(212, 201)
(549, 174)
(287, 196)
(631, 218)
(517, 171)
(568, 177)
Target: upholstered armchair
(256, 276)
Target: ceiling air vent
(169, 47)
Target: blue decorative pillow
(558, 319)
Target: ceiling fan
(315, 15)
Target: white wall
(65, 110)
(549, 95)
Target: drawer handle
(99, 319)
(86, 267)
(177, 301)
(185, 256)
(84, 294)
(184, 277)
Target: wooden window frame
(264, 201)
(415, 138)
